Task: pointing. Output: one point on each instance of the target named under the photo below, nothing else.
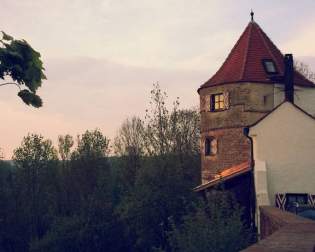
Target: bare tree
(163, 131)
(129, 140)
(305, 70)
(170, 131)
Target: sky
(103, 56)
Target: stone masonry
(248, 102)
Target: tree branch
(11, 83)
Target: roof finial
(252, 15)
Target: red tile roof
(244, 63)
(226, 174)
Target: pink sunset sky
(102, 56)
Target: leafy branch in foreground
(20, 62)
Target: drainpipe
(252, 181)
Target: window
(294, 201)
(219, 101)
(211, 146)
(269, 66)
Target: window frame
(208, 150)
(264, 63)
(289, 206)
(213, 102)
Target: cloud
(138, 33)
(18, 122)
(86, 93)
(102, 56)
(302, 42)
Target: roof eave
(206, 85)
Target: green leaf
(26, 96)
(30, 98)
(37, 101)
(22, 63)
(6, 36)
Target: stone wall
(248, 103)
(233, 148)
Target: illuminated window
(211, 146)
(269, 66)
(218, 102)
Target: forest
(134, 193)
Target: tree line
(79, 197)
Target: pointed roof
(244, 63)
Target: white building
(284, 156)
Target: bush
(215, 226)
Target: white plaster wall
(261, 184)
(303, 97)
(285, 141)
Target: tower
(241, 92)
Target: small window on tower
(219, 101)
(211, 146)
(269, 66)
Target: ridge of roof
(246, 55)
(244, 62)
(276, 107)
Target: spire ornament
(252, 15)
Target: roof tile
(244, 63)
